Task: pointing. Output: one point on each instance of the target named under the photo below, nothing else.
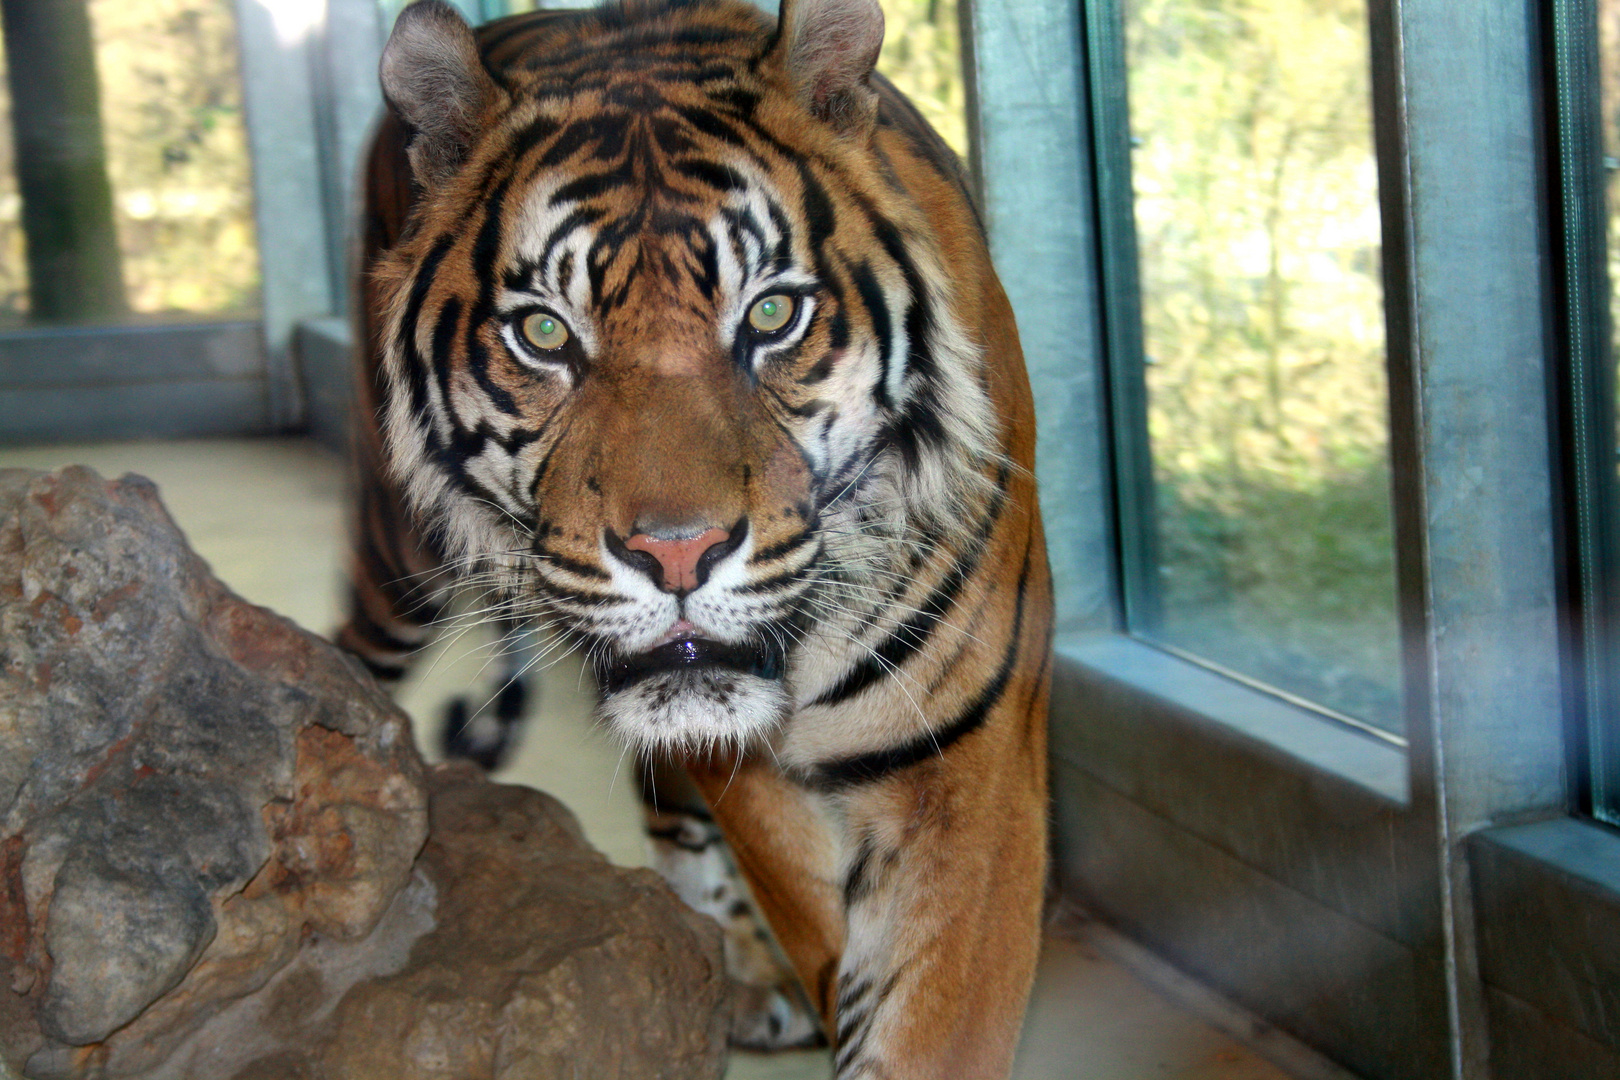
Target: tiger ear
(435, 82)
(830, 48)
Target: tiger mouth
(689, 655)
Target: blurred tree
(74, 269)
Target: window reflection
(1258, 232)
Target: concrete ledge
(1547, 901)
(151, 410)
(1272, 722)
(84, 356)
(163, 380)
(1337, 985)
(1312, 805)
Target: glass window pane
(166, 98)
(1257, 230)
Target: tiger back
(681, 335)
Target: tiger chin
(693, 695)
(680, 338)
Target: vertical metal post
(1034, 155)
(347, 102)
(1470, 422)
(1587, 400)
(1135, 501)
(283, 137)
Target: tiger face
(666, 351)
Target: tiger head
(670, 350)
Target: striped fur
(862, 695)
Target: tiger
(680, 338)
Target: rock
(545, 961)
(210, 824)
(189, 784)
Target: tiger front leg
(942, 887)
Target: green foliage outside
(1258, 228)
(171, 110)
(922, 56)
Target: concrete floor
(268, 517)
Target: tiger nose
(681, 559)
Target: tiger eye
(771, 314)
(545, 331)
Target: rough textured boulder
(209, 830)
(188, 784)
(545, 963)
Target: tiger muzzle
(689, 654)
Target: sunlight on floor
(268, 516)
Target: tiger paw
(770, 1018)
(770, 1011)
(487, 737)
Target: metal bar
(1470, 401)
(1586, 403)
(278, 58)
(1035, 160)
(1136, 538)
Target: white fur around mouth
(695, 709)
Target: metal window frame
(1323, 883)
(1586, 400)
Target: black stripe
(384, 673)
(910, 636)
(416, 367)
(712, 174)
(593, 185)
(782, 255)
(877, 307)
(578, 569)
(714, 127)
(526, 140)
(857, 884)
(627, 44)
(920, 317)
(783, 582)
(851, 1038)
(854, 1027)
(486, 249)
(569, 142)
(821, 368)
(743, 221)
(372, 633)
(776, 551)
(817, 208)
(851, 992)
(865, 768)
(565, 228)
(444, 332)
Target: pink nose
(678, 558)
